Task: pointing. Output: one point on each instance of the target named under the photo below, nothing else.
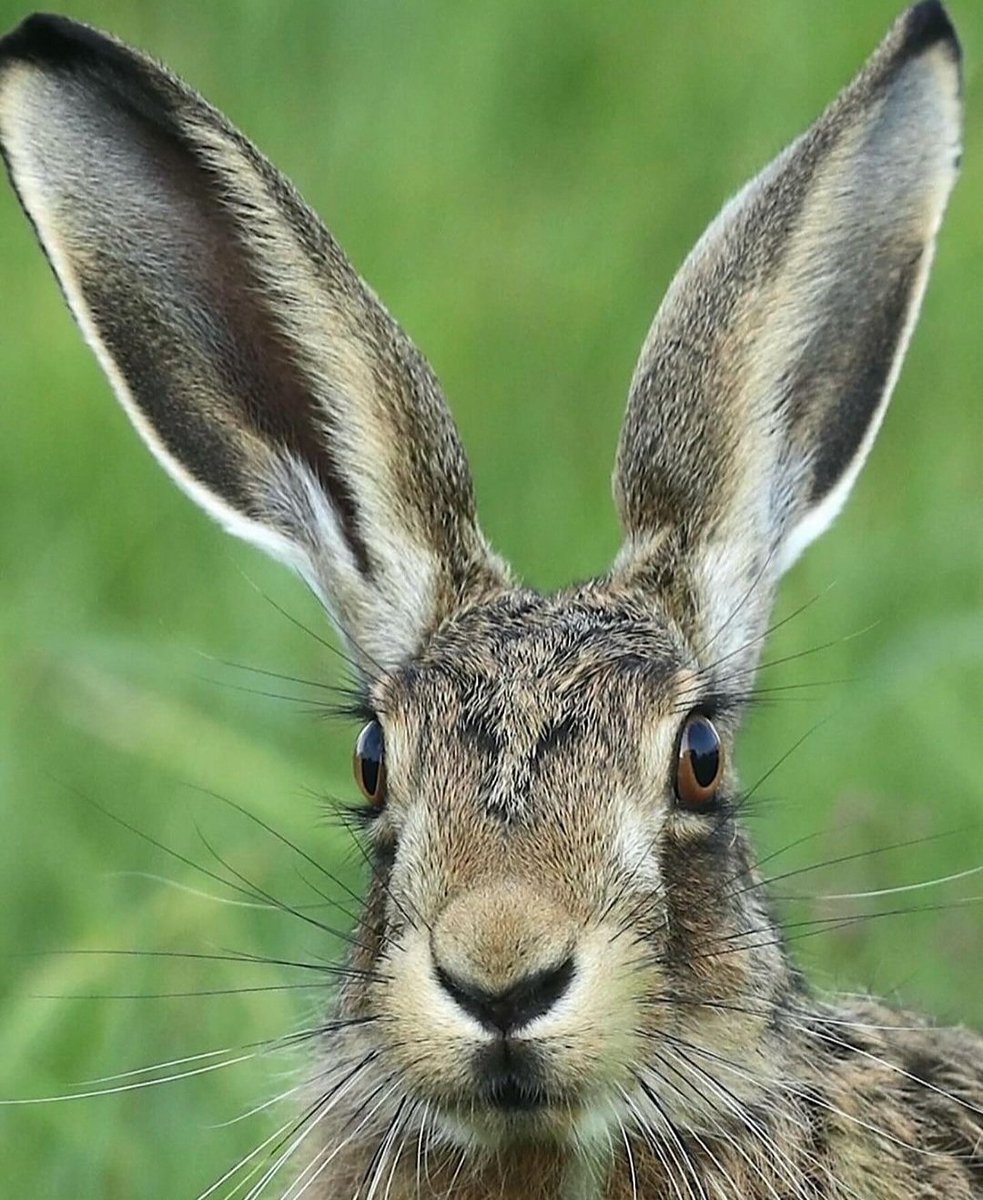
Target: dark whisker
(745, 796)
(830, 862)
(738, 607)
(281, 905)
(356, 667)
(776, 625)
(414, 922)
(352, 692)
(836, 921)
(282, 838)
(818, 926)
(311, 707)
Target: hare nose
(505, 1011)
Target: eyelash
(364, 815)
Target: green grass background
(519, 180)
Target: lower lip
(512, 1098)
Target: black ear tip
(51, 39)
(926, 25)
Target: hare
(568, 981)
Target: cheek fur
(635, 840)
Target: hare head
(562, 887)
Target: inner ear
(213, 315)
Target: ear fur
(256, 365)
(768, 368)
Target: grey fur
(531, 741)
(769, 365)
(261, 370)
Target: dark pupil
(704, 752)
(370, 756)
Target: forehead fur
(525, 680)
(532, 654)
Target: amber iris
(700, 763)
(369, 764)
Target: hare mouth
(510, 1078)
(510, 1093)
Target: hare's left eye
(369, 764)
(700, 763)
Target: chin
(550, 1124)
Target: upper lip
(510, 1075)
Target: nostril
(512, 1007)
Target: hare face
(565, 932)
(548, 910)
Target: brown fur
(760, 1088)
(567, 984)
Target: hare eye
(700, 763)
(369, 763)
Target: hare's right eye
(369, 763)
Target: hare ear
(768, 368)
(257, 366)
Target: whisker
(844, 858)
(198, 893)
(280, 905)
(804, 1093)
(414, 922)
(282, 838)
(253, 670)
(330, 1155)
(314, 708)
(833, 1040)
(330, 647)
(738, 607)
(631, 1160)
(734, 1106)
(889, 891)
(373, 1172)
(304, 1126)
(238, 1166)
(243, 887)
(138, 1085)
(839, 641)
(298, 624)
(197, 993)
(835, 921)
(419, 1147)
(820, 925)
(779, 1159)
(745, 796)
(191, 955)
(657, 1104)
(402, 1146)
(265, 1046)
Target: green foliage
(519, 180)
